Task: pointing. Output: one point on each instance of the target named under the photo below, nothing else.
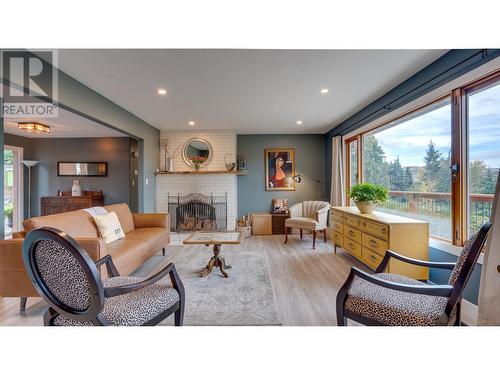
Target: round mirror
(197, 152)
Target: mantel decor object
(230, 162)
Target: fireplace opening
(200, 212)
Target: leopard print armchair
(67, 279)
(396, 300)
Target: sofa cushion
(156, 237)
(124, 215)
(75, 223)
(128, 254)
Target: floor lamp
(29, 164)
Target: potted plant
(367, 196)
(8, 211)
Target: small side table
(278, 223)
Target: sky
(409, 139)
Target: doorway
(13, 189)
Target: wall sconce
(297, 178)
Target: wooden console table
(66, 203)
(368, 236)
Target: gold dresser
(368, 236)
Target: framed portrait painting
(280, 168)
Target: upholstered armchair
(67, 279)
(395, 300)
(309, 215)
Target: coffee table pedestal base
(216, 261)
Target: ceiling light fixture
(191, 123)
(299, 122)
(162, 92)
(33, 127)
(324, 91)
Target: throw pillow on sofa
(109, 227)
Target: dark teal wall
(309, 159)
(438, 276)
(44, 179)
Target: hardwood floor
(305, 282)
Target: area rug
(245, 298)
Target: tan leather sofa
(145, 235)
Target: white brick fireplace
(223, 142)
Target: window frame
(459, 156)
(347, 143)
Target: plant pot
(366, 207)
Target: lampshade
(30, 163)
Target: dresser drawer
(371, 258)
(337, 215)
(353, 234)
(353, 247)
(378, 230)
(336, 226)
(79, 200)
(352, 221)
(53, 201)
(337, 238)
(374, 243)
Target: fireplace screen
(197, 212)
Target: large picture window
(440, 162)
(483, 112)
(411, 158)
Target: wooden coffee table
(217, 239)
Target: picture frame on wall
(280, 169)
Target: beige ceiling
(251, 91)
(66, 125)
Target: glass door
(13, 189)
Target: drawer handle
(382, 230)
(373, 243)
(351, 245)
(351, 232)
(364, 224)
(374, 258)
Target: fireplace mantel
(237, 173)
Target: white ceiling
(251, 91)
(66, 125)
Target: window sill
(449, 248)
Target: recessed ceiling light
(324, 91)
(162, 92)
(299, 122)
(191, 123)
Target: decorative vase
(76, 189)
(170, 167)
(366, 207)
(230, 162)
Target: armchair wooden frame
(98, 292)
(452, 292)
